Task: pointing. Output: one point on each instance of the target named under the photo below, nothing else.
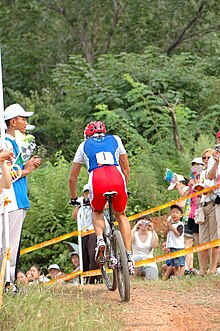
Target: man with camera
(84, 213)
(213, 172)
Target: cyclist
(108, 167)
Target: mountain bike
(114, 265)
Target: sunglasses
(206, 157)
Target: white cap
(86, 187)
(54, 266)
(197, 160)
(179, 178)
(14, 111)
(30, 127)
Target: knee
(119, 216)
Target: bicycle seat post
(109, 196)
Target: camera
(86, 202)
(217, 148)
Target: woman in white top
(144, 240)
(37, 277)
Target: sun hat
(197, 160)
(15, 110)
(54, 266)
(176, 206)
(179, 178)
(86, 187)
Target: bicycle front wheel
(122, 271)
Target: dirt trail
(168, 306)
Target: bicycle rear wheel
(109, 274)
(122, 271)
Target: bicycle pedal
(100, 260)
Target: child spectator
(166, 269)
(175, 239)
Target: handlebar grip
(74, 202)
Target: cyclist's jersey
(98, 152)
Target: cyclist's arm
(123, 161)
(73, 179)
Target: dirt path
(182, 305)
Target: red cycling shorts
(105, 179)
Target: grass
(90, 308)
(57, 308)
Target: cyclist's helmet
(94, 127)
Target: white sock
(100, 237)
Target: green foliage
(76, 61)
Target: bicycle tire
(110, 278)
(122, 272)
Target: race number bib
(104, 158)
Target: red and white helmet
(94, 127)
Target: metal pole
(7, 277)
(80, 242)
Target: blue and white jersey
(97, 152)
(18, 193)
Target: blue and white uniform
(101, 156)
(18, 193)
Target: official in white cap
(16, 119)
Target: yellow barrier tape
(70, 276)
(130, 218)
(170, 203)
(2, 274)
(157, 259)
(186, 251)
(49, 242)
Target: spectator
(84, 214)
(181, 185)
(196, 170)
(213, 173)
(166, 269)
(74, 256)
(144, 240)
(5, 178)
(5, 182)
(22, 278)
(29, 276)
(15, 118)
(208, 229)
(37, 277)
(175, 239)
(54, 271)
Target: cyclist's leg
(98, 222)
(124, 228)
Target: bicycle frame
(117, 259)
